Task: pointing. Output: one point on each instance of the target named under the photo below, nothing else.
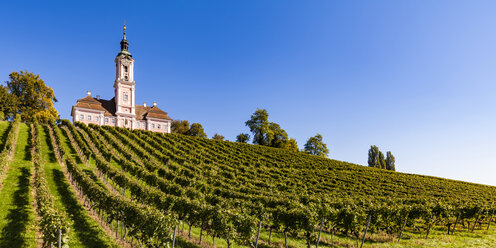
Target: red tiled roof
(108, 106)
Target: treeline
(265, 133)
(377, 160)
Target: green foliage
(227, 188)
(8, 147)
(51, 219)
(277, 137)
(180, 127)
(390, 160)
(218, 137)
(34, 99)
(259, 126)
(243, 138)
(382, 160)
(291, 145)
(316, 146)
(373, 160)
(8, 103)
(266, 133)
(197, 130)
(377, 160)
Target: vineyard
(94, 186)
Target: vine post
(403, 227)
(174, 236)
(366, 228)
(60, 238)
(258, 233)
(320, 231)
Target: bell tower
(124, 82)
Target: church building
(121, 110)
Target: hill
(144, 186)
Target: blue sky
(413, 77)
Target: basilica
(121, 110)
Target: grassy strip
(17, 218)
(85, 232)
(9, 144)
(53, 222)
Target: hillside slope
(228, 189)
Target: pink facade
(121, 111)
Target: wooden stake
(366, 228)
(258, 233)
(174, 236)
(403, 227)
(320, 230)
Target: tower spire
(124, 43)
(124, 29)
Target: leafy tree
(259, 126)
(266, 133)
(377, 160)
(218, 137)
(243, 138)
(197, 130)
(291, 145)
(382, 161)
(180, 127)
(374, 157)
(316, 146)
(390, 160)
(34, 99)
(277, 137)
(8, 103)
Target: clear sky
(417, 78)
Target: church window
(153, 125)
(125, 77)
(106, 120)
(96, 118)
(126, 96)
(125, 68)
(81, 117)
(113, 121)
(158, 126)
(89, 117)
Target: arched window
(126, 96)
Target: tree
(291, 145)
(374, 157)
(276, 136)
(266, 133)
(218, 137)
(197, 130)
(180, 127)
(243, 138)
(382, 161)
(8, 103)
(34, 99)
(316, 146)
(259, 126)
(390, 160)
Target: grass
(84, 231)
(437, 238)
(17, 217)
